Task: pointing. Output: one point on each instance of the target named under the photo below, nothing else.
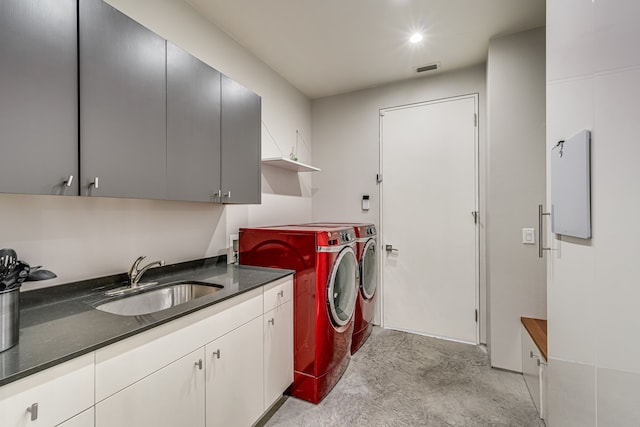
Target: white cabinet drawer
(130, 360)
(59, 393)
(278, 293)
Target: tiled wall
(593, 82)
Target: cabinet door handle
(227, 195)
(540, 362)
(66, 184)
(199, 364)
(33, 410)
(95, 184)
(216, 353)
(271, 321)
(281, 294)
(532, 354)
(541, 247)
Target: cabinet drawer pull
(281, 293)
(33, 410)
(272, 321)
(199, 364)
(216, 353)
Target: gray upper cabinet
(122, 105)
(241, 139)
(193, 128)
(38, 101)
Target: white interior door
(429, 194)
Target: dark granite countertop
(60, 323)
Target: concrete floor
(402, 379)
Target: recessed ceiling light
(416, 37)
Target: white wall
(80, 238)
(593, 82)
(516, 277)
(346, 145)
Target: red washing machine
(324, 297)
(368, 269)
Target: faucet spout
(135, 272)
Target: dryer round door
(341, 288)
(368, 269)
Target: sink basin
(159, 299)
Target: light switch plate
(528, 236)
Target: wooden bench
(537, 329)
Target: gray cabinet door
(38, 96)
(122, 105)
(193, 128)
(241, 139)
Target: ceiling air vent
(428, 67)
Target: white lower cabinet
(278, 352)
(278, 339)
(83, 419)
(534, 372)
(234, 374)
(50, 397)
(221, 366)
(170, 397)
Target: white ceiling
(326, 47)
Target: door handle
(390, 248)
(541, 247)
(475, 216)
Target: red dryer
(324, 297)
(367, 261)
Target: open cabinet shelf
(292, 165)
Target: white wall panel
(571, 266)
(593, 285)
(616, 155)
(616, 39)
(617, 394)
(570, 38)
(571, 394)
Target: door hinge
(476, 316)
(475, 119)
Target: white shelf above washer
(292, 165)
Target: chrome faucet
(135, 273)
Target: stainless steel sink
(158, 299)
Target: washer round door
(341, 288)
(368, 269)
